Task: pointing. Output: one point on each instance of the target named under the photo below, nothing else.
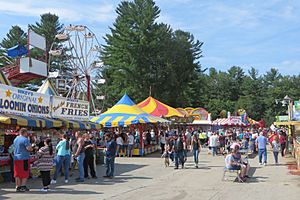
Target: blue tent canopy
(18, 50)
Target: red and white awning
(233, 121)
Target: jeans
(196, 155)
(262, 152)
(62, 161)
(179, 157)
(89, 163)
(275, 156)
(214, 151)
(110, 166)
(172, 156)
(80, 160)
(130, 149)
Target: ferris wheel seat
(80, 28)
(70, 28)
(89, 35)
(55, 52)
(62, 36)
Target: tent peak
(126, 100)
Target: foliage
(143, 57)
(14, 36)
(48, 26)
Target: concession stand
(42, 115)
(126, 114)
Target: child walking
(275, 146)
(45, 163)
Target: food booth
(41, 114)
(125, 114)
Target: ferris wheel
(75, 58)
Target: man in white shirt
(213, 143)
(209, 133)
(188, 137)
(120, 146)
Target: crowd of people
(230, 142)
(80, 150)
(70, 151)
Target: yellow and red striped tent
(159, 109)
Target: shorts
(21, 168)
(235, 167)
(202, 141)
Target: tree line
(143, 57)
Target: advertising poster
(23, 102)
(70, 108)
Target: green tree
(15, 36)
(142, 56)
(48, 26)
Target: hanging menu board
(23, 102)
(70, 108)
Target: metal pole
(290, 134)
(88, 78)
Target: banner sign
(36, 40)
(282, 118)
(70, 108)
(296, 111)
(23, 102)
(236, 120)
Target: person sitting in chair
(234, 161)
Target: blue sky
(248, 33)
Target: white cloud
(71, 11)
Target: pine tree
(15, 36)
(49, 26)
(143, 57)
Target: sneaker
(67, 181)
(80, 181)
(53, 182)
(260, 163)
(265, 164)
(94, 177)
(25, 188)
(44, 190)
(105, 176)
(20, 189)
(176, 168)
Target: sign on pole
(23, 102)
(70, 108)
